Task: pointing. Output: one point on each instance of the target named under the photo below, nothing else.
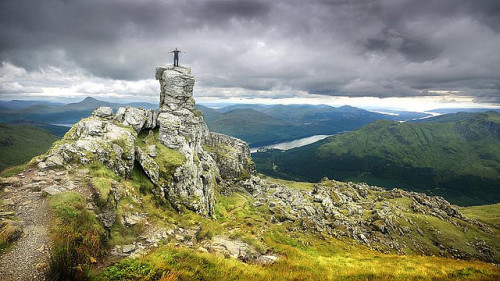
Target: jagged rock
(183, 129)
(148, 164)
(151, 117)
(103, 112)
(107, 216)
(176, 88)
(138, 118)
(186, 181)
(231, 154)
(95, 139)
(348, 209)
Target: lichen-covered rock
(138, 118)
(181, 128)
(236, 249)
(151, 117)
(231, 154)
(371, 215)
(176, 85)
(173, 146)
(103, 112)
(95, 139)
(148, 164)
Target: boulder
(103, 112)
(236, 249)
(135, 117)
(266, 259)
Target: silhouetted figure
(176, 56)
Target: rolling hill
(20, 143)
(268, 124)
(459, 160)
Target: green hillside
(262, 125)
(20, 143)
(459, 160)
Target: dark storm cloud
(377, 48)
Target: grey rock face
(103, 112)
(176, 85)
(231, 154)
(95, 139)
(182, 159)
(138, 118)
(181, 128)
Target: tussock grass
(78, 237)
(324, 261)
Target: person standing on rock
(176, 56)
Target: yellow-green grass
(320, 260)
(489, 214)
(307, 186)
(302, 255)
(78, 238)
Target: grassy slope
(20, 143)
(458, 160)
(303, 256)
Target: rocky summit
(154, 195)
(173, 146)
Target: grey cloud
(379, 48)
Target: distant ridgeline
(457, 157)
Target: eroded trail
(27, 259)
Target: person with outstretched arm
(176, 56)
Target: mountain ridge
(420, 156)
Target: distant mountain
(455, 110)
(87, 104)
(459, 160)
(22, 104)
(60, 113)
(451, 117)
(20, 143)
(268, 124)
(254, 126)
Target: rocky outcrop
(173, 146)
(97, 138)
(183, 129)
(138, 118)
(231, 154)
(383, 220)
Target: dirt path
(27, 259)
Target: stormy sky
(387, 51)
